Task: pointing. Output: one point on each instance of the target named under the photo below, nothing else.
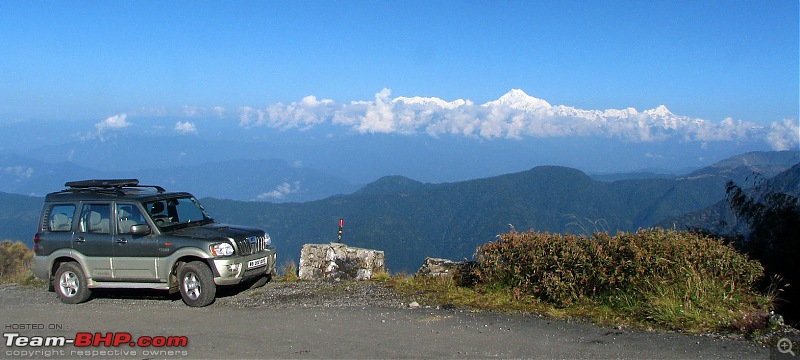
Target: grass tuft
(288, 272)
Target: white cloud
(784, 136)
(304, 114)
(280, 191)
(114, 122)
(185, 127)
(249, 116)
(515, 115)
(378, 116)
(102, 128)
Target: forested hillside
(411, 220)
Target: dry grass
(288, 272)
(16, 260)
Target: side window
(162, 212)
(158, 209)
(95, 218)
(127, 216)
(188, 211)
(60, 217)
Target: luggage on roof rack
(112, 183)
(115, 184)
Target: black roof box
(111, 183)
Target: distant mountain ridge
(719, 217)
(739, 168)
(410, 220)
(390, 184)
(253, 180)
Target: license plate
(257, 262)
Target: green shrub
(678, 279)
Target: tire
(70, 284)
(197, 284)
(261, 281)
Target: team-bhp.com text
(93, 340)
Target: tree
(772, 236)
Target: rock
(337, 261)
(775, 320)
(461, 271)
(435, 267)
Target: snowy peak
(660, 111)
(427, 101)
(621, 114)
(519, 100)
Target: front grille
(250, 245)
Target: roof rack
(108, 184)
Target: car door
(56, 230)
(93, 239)
(135, 255)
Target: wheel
(260, 281)
(197, 284)
(71, 284)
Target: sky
(634, 70)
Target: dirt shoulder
(326, 320)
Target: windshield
(174, 213)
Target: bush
(15, 262)
(679, 279)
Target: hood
(218, 231)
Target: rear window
(60, 218)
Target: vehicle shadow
(150, 294)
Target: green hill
(411, 220)
(451, 220)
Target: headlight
(224, 249)
(267, 240)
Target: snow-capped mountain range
(362, 140)
(517, 114)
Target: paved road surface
(243, 326)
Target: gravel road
(324, 320)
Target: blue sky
(702, 59)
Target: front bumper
(231, 271)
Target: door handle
(122, 241)
(80, 239)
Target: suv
(119, 234)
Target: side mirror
(142, 229)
